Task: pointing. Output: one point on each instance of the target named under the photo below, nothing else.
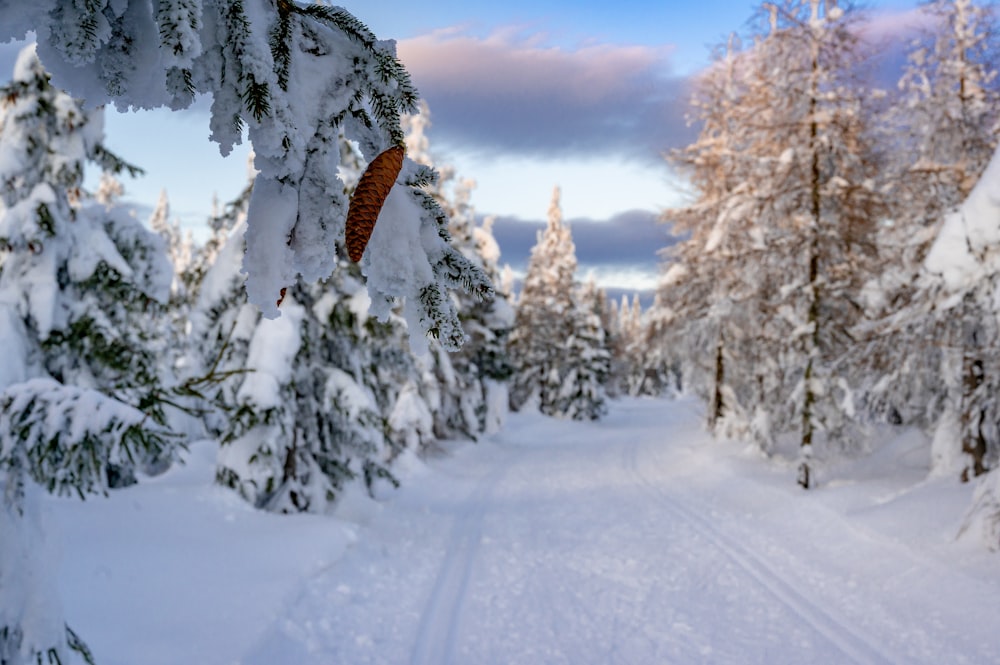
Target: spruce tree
(557, 346)
(473, 380)
(82, 289)
(324, 396)
(587, 364)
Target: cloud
(896, 26)
(889, 36)
(510, 93)
(620, 253)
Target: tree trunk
(812, 346)
(717, 410)
(972, 414)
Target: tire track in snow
(848, 640)
(437, 632)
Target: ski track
(439, 622)
(848, 640)
(545, 548)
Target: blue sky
(524, 95)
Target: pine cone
(370, 194)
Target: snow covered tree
(957, 294)
(931, 355)
(661, 374)
(82, 398)
(946, 114)
(321, 397)
(293, 76)
(473, 380)
(780, 243)
(634, 354)
(554, 332)
(176, 331)
(587, 368)
(960, 287)
(180, 245)
(713, 286)
(825, 205)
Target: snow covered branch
(291, 77)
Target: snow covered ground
(633, 540)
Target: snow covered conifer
(293, 76)
(82, 399)
(321, 397)
(583, 393)
(473, 380)
(553, 334)
(635, 353)
(958, 294)
(86, 279)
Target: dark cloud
(629, 240)
(506, 93)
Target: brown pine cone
(370, 194)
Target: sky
(524, 96)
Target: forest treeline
(811, 298)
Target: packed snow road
(636, 540)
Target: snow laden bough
(291, 76)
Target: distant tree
(636, 353)
(176, 330)
(660, 362)
(180, 245)
(292, 76)
(555, 334)
(583, 394)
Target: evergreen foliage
(84, 399)
(309, 402)
(293, 76)
(473, 379)
(558, 348)
(636, 365)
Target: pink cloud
(511, 62)
(512, 89)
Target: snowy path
(634, 540)
(631, 541)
